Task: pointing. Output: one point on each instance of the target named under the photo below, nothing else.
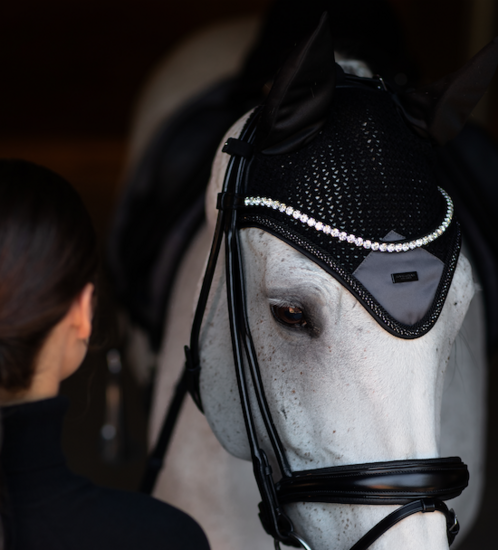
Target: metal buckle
(297, 538)
(455, 528)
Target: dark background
(70, 74)
(74, 68)
(71, 71)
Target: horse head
(343, 259)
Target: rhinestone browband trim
(350, 238)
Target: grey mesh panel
(407, 302)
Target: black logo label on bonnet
(404, 277)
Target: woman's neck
(60, 355)
(43, 386)
(47, 371)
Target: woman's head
(48, 254)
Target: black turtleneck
(47, 507)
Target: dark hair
(48, 253)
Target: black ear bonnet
(342, 169)
(367, 175)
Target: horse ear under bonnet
(299, 101)
(439, 111)
(339, 171)
(302, 93)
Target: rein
(417, 485)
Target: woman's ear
(82, 312)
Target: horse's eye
(290, 316)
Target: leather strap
(155, 461)
(381, 483)
(424, 506)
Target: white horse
(354, 394)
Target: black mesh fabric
(366, 173)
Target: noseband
(416, 485)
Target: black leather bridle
(416, 485)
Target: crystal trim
(396, 246)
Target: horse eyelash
(285, 303)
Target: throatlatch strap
(394, 482)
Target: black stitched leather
(394, 482)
